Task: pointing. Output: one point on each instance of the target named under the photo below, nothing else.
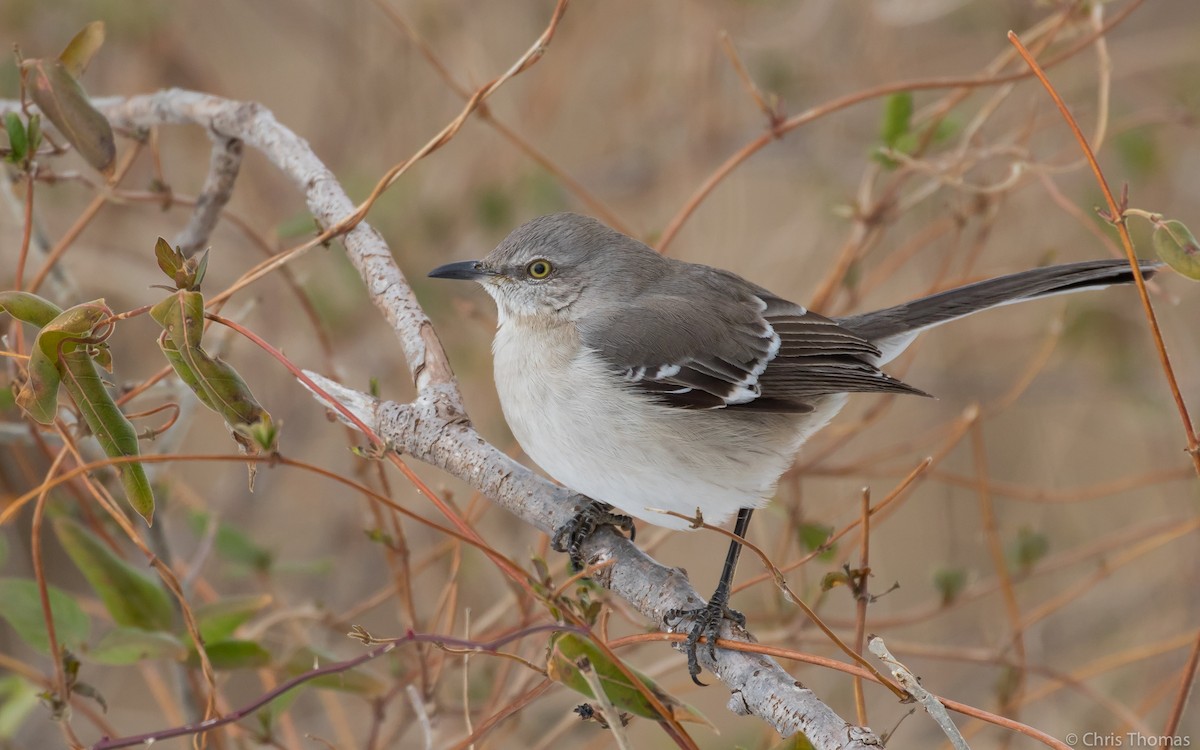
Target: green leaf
(493, 207)
(112, 429)
(946, 128)
(183, 369)
(63, 101)
(233, 655)
(298, 225)
(182, 317)
(897, 117)
(270, 713)
(217, 621)
(796, 742)
(184, 272)
(21, 606)
(894, 129)
(356, 681)
(121, 646)
(1030, 547)
(835, 578)
(133, 598)
(18, 698)
(18, 140)
(217, 384)
(232, 545)
(29, 308)
(80, 50)
(57, 339)
(950, 582)
(38, 397)
(1176, 246)
(1138, 151)
(34, 130)
(62, 354)
(814, 536)
(570, 653)
(197, 269)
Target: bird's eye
(539, 269)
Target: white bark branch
(929, 701)
(434, 428)
(223, 168)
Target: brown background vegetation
(638, 102)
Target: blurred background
(1078, 450)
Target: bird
(650, 384)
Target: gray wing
(733, 345)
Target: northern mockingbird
(651, 384)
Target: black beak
(469, 270)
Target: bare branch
(932, 705)
(223, 168)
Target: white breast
(602, 439)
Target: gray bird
(651, 384)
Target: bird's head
(558, 268)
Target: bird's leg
(588, 517)
(707, 619)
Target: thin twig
(1185, 691)
(418, 705)
(611, 715)
(26, 230)
(223, 167)
(991, 532)
(909, 682)
(790, 124)
(791, 596)
(64, 243)
(862, 599)
(335, 668)
(1114, 212)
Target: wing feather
(751, 351)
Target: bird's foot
(588, 518)
(706, 624)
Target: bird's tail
(893, 329)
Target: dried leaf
(169, 259)
(63, 101)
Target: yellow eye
(539, 269)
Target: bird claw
(588, 518)
(707, 625)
